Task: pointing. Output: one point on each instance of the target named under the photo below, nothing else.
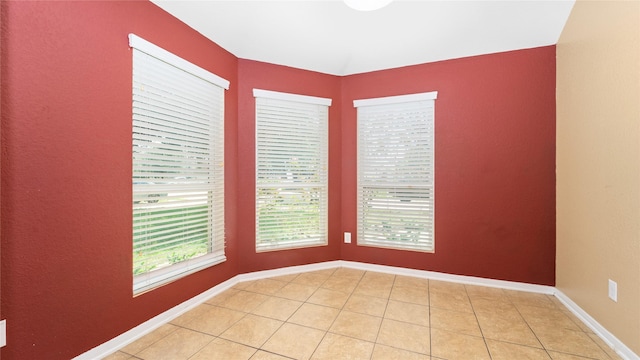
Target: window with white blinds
(178, 172)
(291, 170)
(396, 171)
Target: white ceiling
(329, 37)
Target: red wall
(495, 164)
(259, 75)
(66, 168)
(66, 172)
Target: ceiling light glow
(367, 5)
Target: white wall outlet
(613, 290)
(3, 333)
(347, 238)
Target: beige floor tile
(530, 299)
(118, 356)
(359, 326)
(381, 283)
(447, 287)
(454, 346)
(606, 348)
(149, 339)
(489, 305)
(410, 281)
(244, 301)
(215, 320)
(366, 305)
(242, 285)
(277, 308)
(349, 273)
(224, 349)
(222, 297)
(285, 278)
(265, 286)
(455, 301)
(415, 295)
(252, 330)
(507, 351)
(179, 345)
(484, 292)
(294, 341)
(507, 327)
(407, 312)
(335, 346)
(561, 356)
(404, 336)
(297, 292)
(324, 272)
(455, 321)
(373, 289)
(378, 277)
(311, 279)
(577, 321)
(264, 355)
(315, 316)
(383, 352)
(556, 301)
(340, 283)
(568, 341)
(188, 316)
(544, 316)
(331, 298)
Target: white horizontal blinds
(396, 173)
(291, 172)
(178, 173)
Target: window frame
(418, 185)
(295, 100)
(186, 190)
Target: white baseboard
(470, 280)
(148, 326)
(288, 270)
(155, 322)
(618, 346)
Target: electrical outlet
(347, 238)
(613, 290)
(3, 333)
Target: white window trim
(268, 94)
(143, 45)
(152, 279)
(396, 99)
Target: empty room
(278, 180)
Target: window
(396, 171)
(291, 170)
(178, 173)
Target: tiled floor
(352, 314)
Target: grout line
(475, 315)
(386, 305)
(430, 318)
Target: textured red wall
(66, 172)
(259, 75)
(495, 164)
(66, 168)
